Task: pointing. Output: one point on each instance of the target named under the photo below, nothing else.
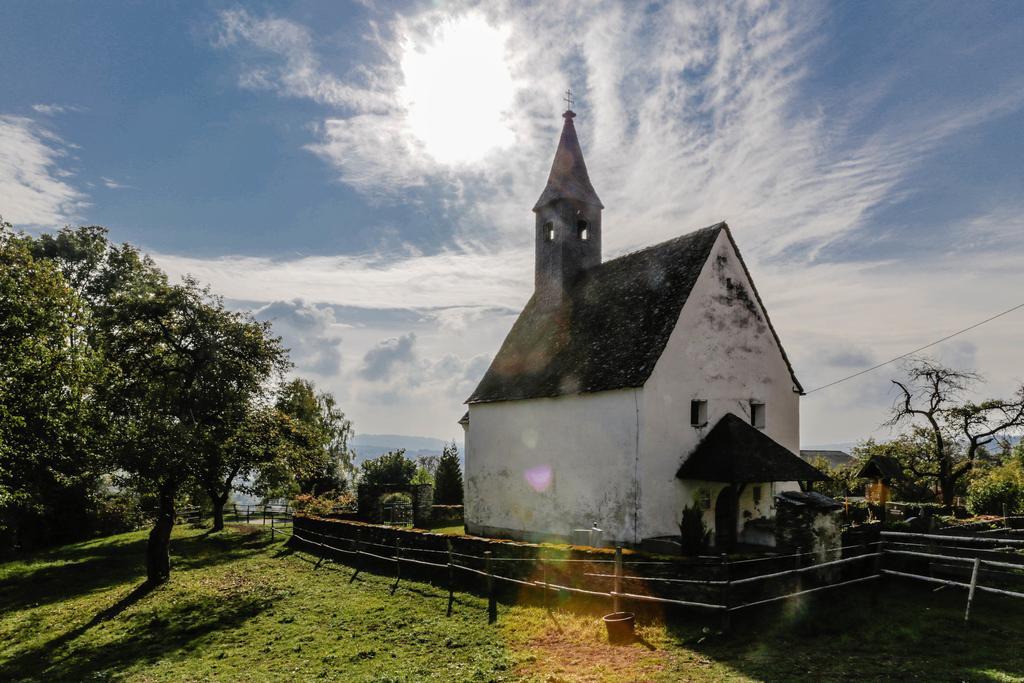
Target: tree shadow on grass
(142, 637)
(90, 567)
(901, 632)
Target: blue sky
(362, 173)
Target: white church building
(629, 389)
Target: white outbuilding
(629, 389)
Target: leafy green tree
(448, 488)
(184, 374)
(391, 468)
(325, 427)
(43, 378)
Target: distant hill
(368, 446)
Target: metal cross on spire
(569, 101)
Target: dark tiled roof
(568, 178)
(835, 458)
(735, 452)
(811, 499)
(610, 331)
(881, 467)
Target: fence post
(492, 606)
(451, 579)
(247, 514)
(544, 578)
(724, 594)
(264, 515)
(1006, 518)
(271, 527)
(796, 560)
(398, 565)
(616, 600)
(359, 547)
(970, 591)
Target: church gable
(610, 330)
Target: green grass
(240, 607)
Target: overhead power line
(917, 350)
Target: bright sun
(458, 90)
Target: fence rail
(449, 564)
(935, 543)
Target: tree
(323, 423)
(391, 468)
(43, 377)
(448, 479)
(934, 393)
(184, 374)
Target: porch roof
(735, 452)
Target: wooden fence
(987, 556)
(730, 587)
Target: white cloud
(688, 114)
(297, 71)
(112, 184)
(444, 280)
(33, 186)
(51, 109)
(311, 333)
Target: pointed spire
(568, 178)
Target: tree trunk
(158, 548)
(218, 502)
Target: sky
(362, 174)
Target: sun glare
(458, 90)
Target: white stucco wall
(721, 351)
(547, 466)
(613, 455)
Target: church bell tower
(568, 225)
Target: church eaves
(568, 178)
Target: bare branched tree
(958, 428)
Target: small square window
(698, 413)
(583, 230)
(757, 415)
(549, 232)
(704, 496)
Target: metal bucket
(620, 627)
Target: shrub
(693, 533)
(325, 504)
(991, 489)
(390, 468)
(448, 480)
(396, 498)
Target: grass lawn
(240, 607)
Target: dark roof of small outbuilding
(811, 499)
(611, 329)
(881, 467)
(735, 452)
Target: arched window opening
(582, 229)
(549, 231)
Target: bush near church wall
(446, 514)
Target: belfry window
(757, 414)
(582, 229)
(549, 231)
